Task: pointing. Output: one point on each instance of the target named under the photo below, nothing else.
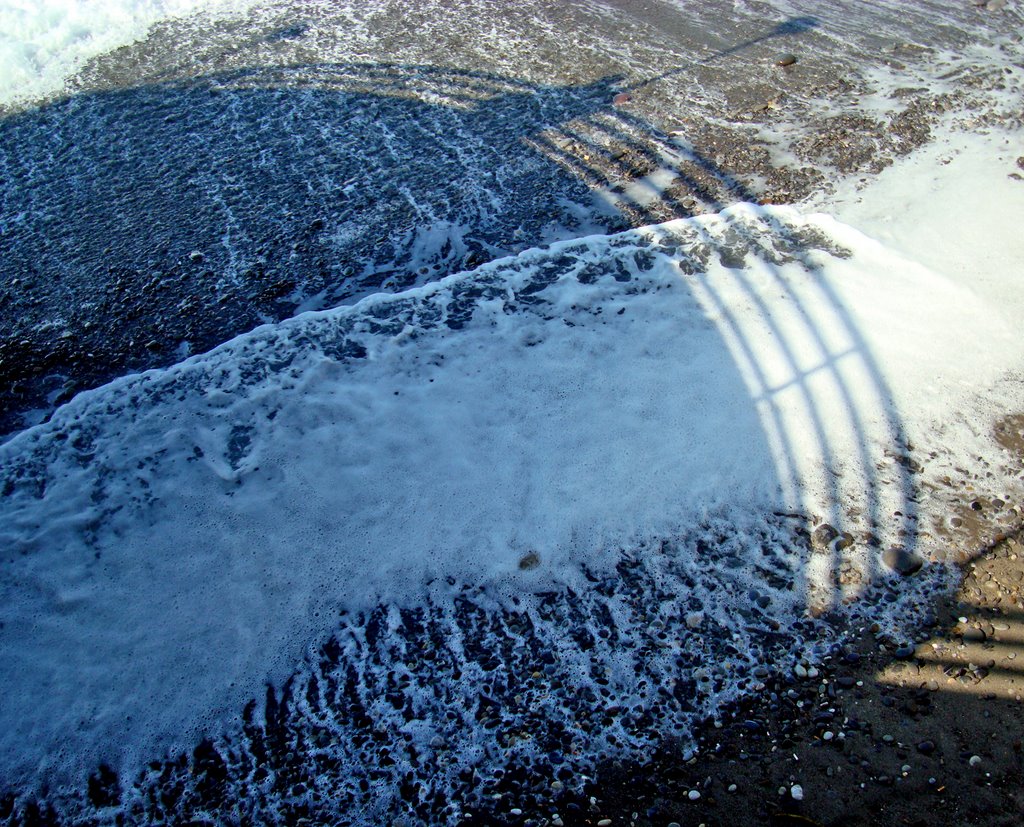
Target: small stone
(621, 98)
(530, 561)
(902, 561)
(517, 812)
(604, 822)
(797, 792)
(926, 747)
(732, 788)
(827, 735)
(974, 760)
(195, 257)
(905, 651)
(693, 795)
(786, 60)
(823, 536)
(800, 671)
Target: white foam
(43, 42)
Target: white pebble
(733, 788)
(975, 760)
(797, 792)
(827, 735)
(693, 795)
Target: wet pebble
(786, 60)
(926, 747)
(902, 561)
(822, 536)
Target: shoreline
(873, 696)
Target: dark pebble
(845, 681)
(926, 747)
(786, 60)
(902, 561)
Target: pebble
(529, 561)
(622, 97)
(786, 60)
(797, 792)
(974, 760)
(732, 788)
(902, 561)
(693, 795)
(822, 537)
(926, 747)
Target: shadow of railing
(665, 189)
